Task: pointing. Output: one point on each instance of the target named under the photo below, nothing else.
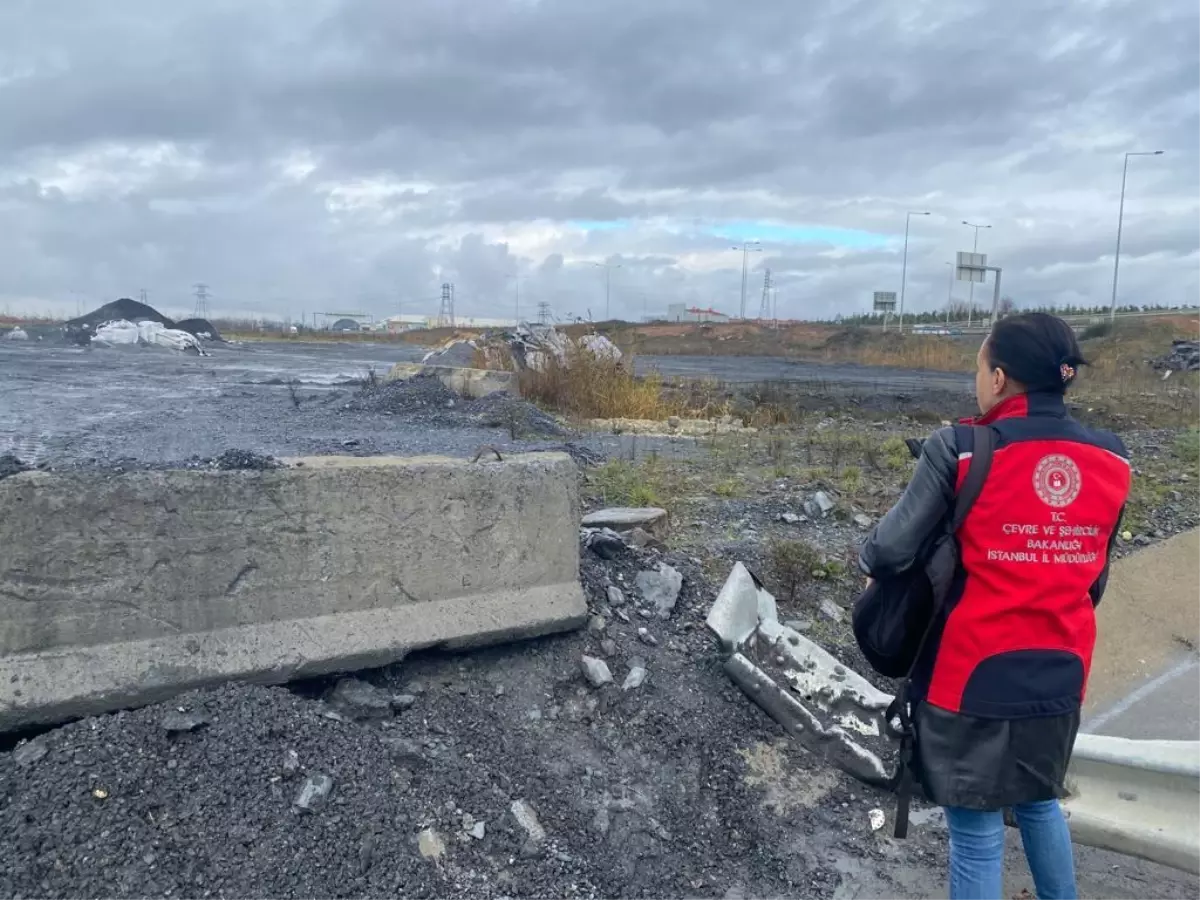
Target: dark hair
(1037, 350)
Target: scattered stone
(430, 844)
(401, 702)
(616, 597)
(527, 818)
(597, 624)
(178, 721)
(478, 831)
(28, 752)
(831, 610)
(862, 520)
(622, 615)
(646, 637)
(314, 792)
(291, 763)
(359, 700)
(661, 588)
(1127, 536)
(626, 518)
(596, 671)
(824, 502)
(877, 819)
(636, 676)
(608, 647)
(791, 518)
(642, 539)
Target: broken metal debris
(831, 710)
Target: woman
(1000, 687)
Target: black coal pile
(423, 399)
(10, 465)
(200, 328)
(616, 761)
(125, 308)
(1184, 357)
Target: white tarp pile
(147, 333)
(17, 334)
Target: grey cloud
(821, 113)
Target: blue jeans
(977, 851)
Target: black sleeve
(897, 540)
(1101, 583)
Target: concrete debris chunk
(401, 702)
(180, 722)
(824, 502)
(314, 792)
(791, 518)
(660, 588)
(478, 831)
(636, 676)
(527, 818)
(616, 597)
(831, 610)
(1184, 357)
(291, 763)
(862, 520)
(357, 699)
(430, 844)
(650, 519)
(28, 752)
(877, 818)
(595, 671)
(608, 647)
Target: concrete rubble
(527, 347)
(1184, 356)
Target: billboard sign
(971, 267)
(885, 301)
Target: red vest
(1018, 639)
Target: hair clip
(1067, 372)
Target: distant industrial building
(681, 312)
(398, 324)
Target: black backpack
(894, 618)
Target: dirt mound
(125, 308)
(201, 328)
(678, 786)
(425, 400)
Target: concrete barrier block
(472, 383)
(123, 589)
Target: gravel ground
(678, 787)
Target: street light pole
(1112, 312)
(904, 268)
(746, 247)
(949, 293)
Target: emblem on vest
(1057, 480)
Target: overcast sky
(345, 155)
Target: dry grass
(591, 387)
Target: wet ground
(64, 405)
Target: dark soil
(10, 465)
(680, 787)
(425, 400)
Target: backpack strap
(982, 442)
